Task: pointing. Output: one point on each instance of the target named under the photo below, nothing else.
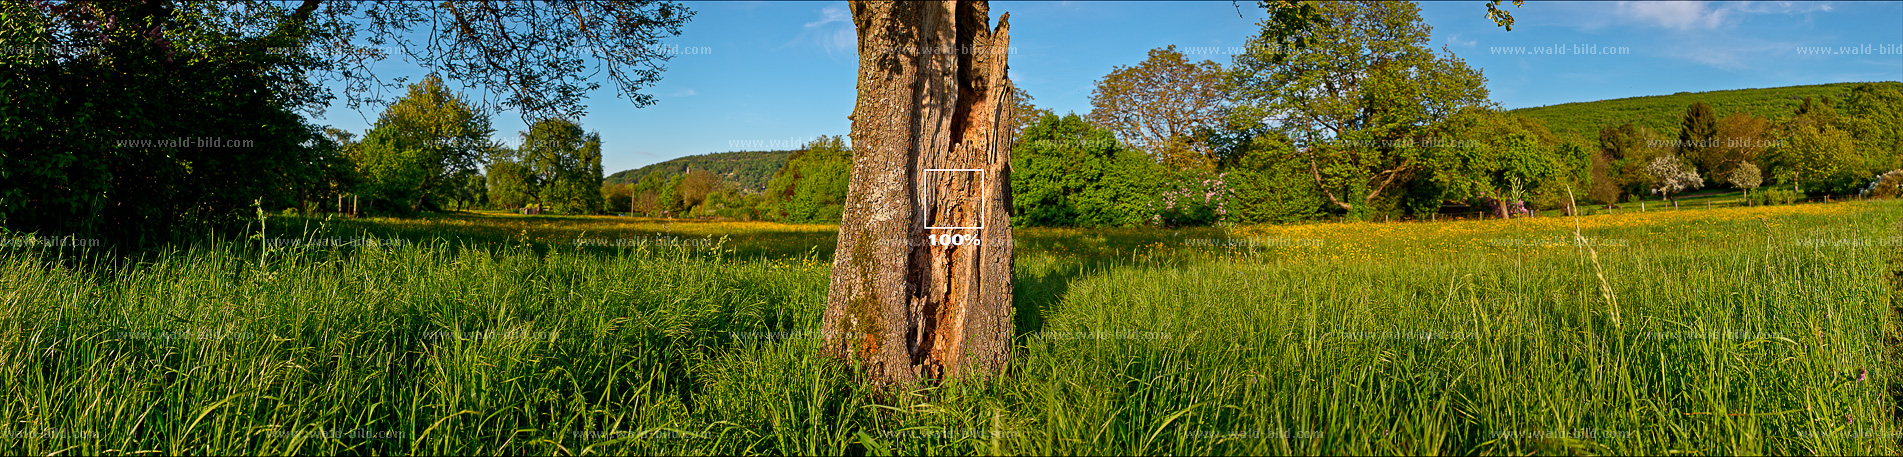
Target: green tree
(1820, 157)
(564, 164)
(421, 144)
(1628, 150)
(1497, 157)
(811, 187)
(1268, 179)
(1618, 147)
(1811, 107)
(86, 150)
(1697, 135)
(696, 187)
(471, 191)
(508, 184)
(1286, 28)
(1620, 143)
(1814, 153)
(341, 174)
(670, 202)
(1359, 98)
(1873, 114)
(618, 197)
(647, 194)
(1067, 172)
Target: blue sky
(772, 75)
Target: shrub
(1502, 207)
(1774, 196)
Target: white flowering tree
(1746, 177)
(1671, 175)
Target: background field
(1731, 331)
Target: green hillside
(1662, 113)
(747, 170)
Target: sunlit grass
(1743, 331)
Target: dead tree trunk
(908, 301)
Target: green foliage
(730, 205)
(337, 173)
(508, 183)
(1614, 169)
(113, 129)
(618, 198)
(564, 166)
(1363, 90)
(1500, 16)
(670, 204)
(1268, 181)
(1697, 134)
(1571, 173)
(1827, 150)
(476, 191)
(1122, 198)
(647, 195)
(1873, 114)
(394, 172)
(1066, 172)
(421, 144)
(1490, 154)
(1620, 143)
(1818, 155)
(1775, 196)
(811, 187)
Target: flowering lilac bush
(1887, 185)
(1195, 198)
(1504, 208)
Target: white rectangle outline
(983, 206)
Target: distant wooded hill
(748, 171)
(1663, 113)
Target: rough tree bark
(933, 94)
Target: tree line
(1356, 117)
(1364, 120)
(1337, 109)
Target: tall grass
(1739, 335)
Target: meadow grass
(1739, 331)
